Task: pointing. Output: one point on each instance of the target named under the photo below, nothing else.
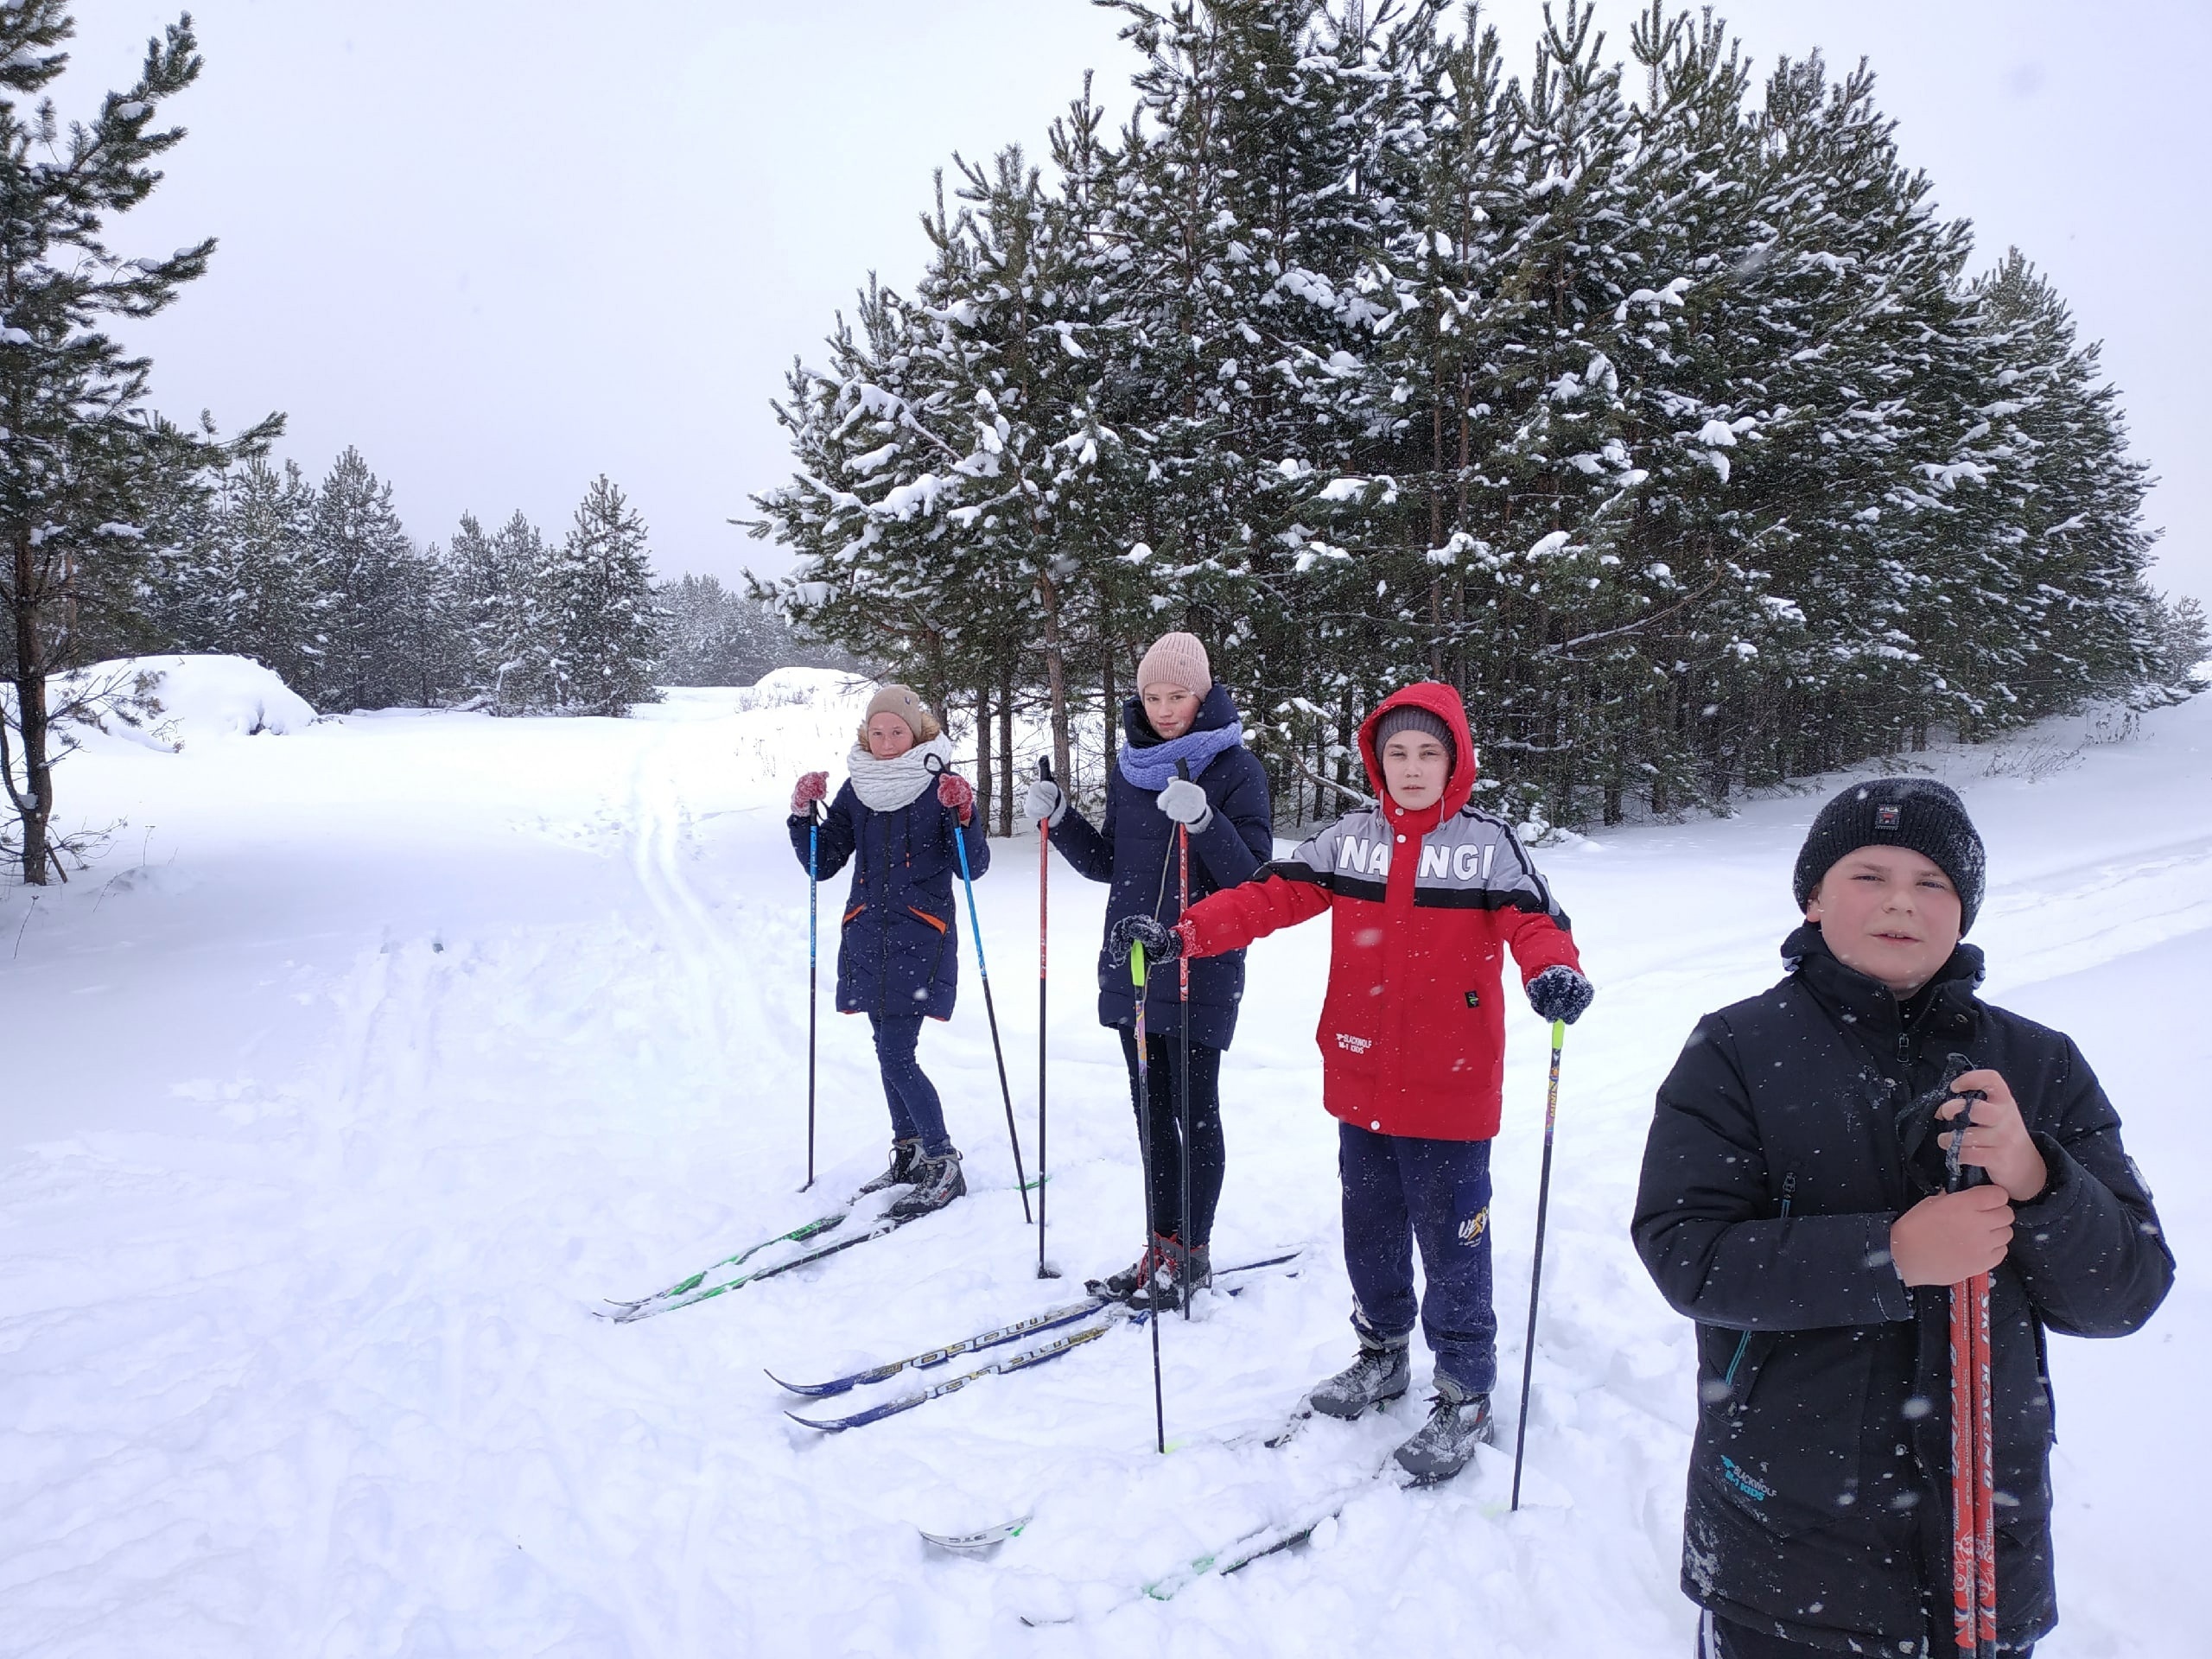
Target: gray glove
(1044, 800)
(1185, 803)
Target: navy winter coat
(899, 946)
(1135, 851)
(1794, 1131)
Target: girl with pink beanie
(1183, 764)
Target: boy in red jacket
(1425, 889)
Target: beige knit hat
(906, 703)
(1176, 659)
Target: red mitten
(811, 788)
(952, 791)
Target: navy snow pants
(1398, 1188)
(916, 1112)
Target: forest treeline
(323, 583)
(1648, 401)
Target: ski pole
(1974, 1477)
(1536, 1268)
(813, 971)
(934, 766)
(1044, 930)
(1182, 1102)
(1144, 1148)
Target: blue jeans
(916, 1112)
(1398, 1188)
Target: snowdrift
(170, 703)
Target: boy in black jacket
(1792, 1204)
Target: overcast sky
(500, 248)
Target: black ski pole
(983, 972)
(1144, 1151)
(1044, 932)
(1536, 1268)
(1183, 1083)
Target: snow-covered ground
(373, 1054)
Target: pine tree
(364, 564)
(240, 578)
(515, 642)
(82, 461)
(602, 626)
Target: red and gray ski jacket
(1424, 904)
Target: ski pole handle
(1136, 964)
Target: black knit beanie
(1915, 813)
(1412, 717)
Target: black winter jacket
(898, 951)
(1794, 1131)
(1136, 852)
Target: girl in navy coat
(898, 952)
(1183, 764)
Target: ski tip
(970, 1543)
(831, 1427)
(809, 1390)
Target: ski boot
(1458, 1421)
(1161, 1267)
(1178, 1274)
(938, 1182)
(903, 1156)
(1381, 1374)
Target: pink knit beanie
(904, 702)
(1176, 659)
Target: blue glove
(1161, 942)
(1560, 993)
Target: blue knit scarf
(1154, 768)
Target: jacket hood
(1444, 702)
(1217, 709)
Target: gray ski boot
(1458, 1421)
(904, 1155)
(1380, 1375)
(938, 1182)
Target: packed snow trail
(376, 1054)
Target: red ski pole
(1183, 1098)
(1044, 931)
(1973, 1474)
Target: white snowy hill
(375, 1052)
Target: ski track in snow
(304, 1210)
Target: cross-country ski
(1048, 1318)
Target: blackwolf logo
(1471, 1228)
(1885, 817)
(1357, 1044)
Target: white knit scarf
(887, 785)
